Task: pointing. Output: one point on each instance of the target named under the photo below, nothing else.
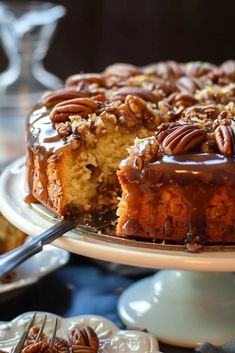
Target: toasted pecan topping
(127, 97)
(182, 139)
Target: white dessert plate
(98, 246)
(110, 337)
(28, 273)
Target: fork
(15, 257)
(19, 346)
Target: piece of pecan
(79, 106)
(82, 349)
(121, 70)
(41, 346)
(85, 336)
(126, 117)
(228, 67)
(189, 84)
(145, 94)
(32, 335)
(198, 68)
(225, 138)
(183, 99)
(183, 139)
(75, 80)
(61, 345)
(166, 69)
(143, 111)
(53, 98)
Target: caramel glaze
(43, 141)
(196, 174)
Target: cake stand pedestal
(183, 308)
(192, 305)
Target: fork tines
(18, 348)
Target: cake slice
(173, 192)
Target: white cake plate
(184, 307)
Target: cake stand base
(182, 308)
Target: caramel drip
(43, 141)
(196, 174)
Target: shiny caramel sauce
(44, 141)
(196, 174)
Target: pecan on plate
(82, 349)
(225, 138)
(32, 335)
(39, 347)
(78, 106)
(53, 98)
(61, 346)
(85, 336)
(183, 139)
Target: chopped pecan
(126, 117)
(32, 335)
(61, 345)
(145, 94)
(183, 139)
(79, 106)
(202, 111)
(82, 349)
(53, 98)
(85, 336)
(209, 147)
(143, 111)
(41, 346)
(198, 68)
(166, 69)
(182, 99)
(225, 138)
(228, 67)
(189, 84)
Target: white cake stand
(184, 307)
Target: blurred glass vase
(26, 30)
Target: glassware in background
(26, 30)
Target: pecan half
(82, 349)
(225, 138)
(75, 80)
(79, 106)
(183, 99)
(121, 70)
(189, 84)
(145, 94)
(61, 345)
(85, 336)
(53, 98)
(183, 139)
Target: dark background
(96, 33)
